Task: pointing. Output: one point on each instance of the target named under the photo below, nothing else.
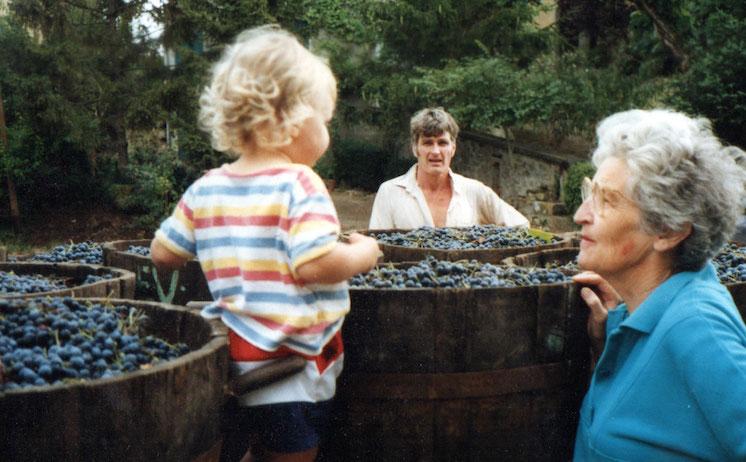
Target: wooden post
(15, 215)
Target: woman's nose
(584, 214)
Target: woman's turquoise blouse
(671, 381)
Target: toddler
(266, 234)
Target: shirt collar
(651, 310)
(408, 181)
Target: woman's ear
(671, 239)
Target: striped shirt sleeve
(314, 226)
(176, 233)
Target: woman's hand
(600, 298)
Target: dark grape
(474, 237)
(58, 340)
(82, 252)
(91, 278)
(433, 273)
(11, 283)
(730, 263)
(139, 250)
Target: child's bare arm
(163, 258)
(342, 262)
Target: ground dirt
(41, 230)
(353, 208)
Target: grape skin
(82, 252)
(473, 237)
(441, 274)
(62, 340)
(139, 250)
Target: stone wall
(527, 178)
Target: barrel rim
(562, 240)
(511, 261)
(111, 247)
(121, 275)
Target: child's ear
(294, 131)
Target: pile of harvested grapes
(139, 250)
(730, 263)
(11, 283)
(20, 284)
(82, 252)
(433, 273)
(569, 266)
(59, 340)
(474, 237)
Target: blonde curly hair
(262, 89)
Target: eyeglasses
(602, 197)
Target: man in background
(430, 193)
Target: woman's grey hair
(680, 173)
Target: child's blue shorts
(289, 427)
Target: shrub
(359, 164)
(573, 179)
(155, 183)
(326, 167)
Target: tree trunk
(15, 215)
(667, 35)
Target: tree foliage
(714, 85)
(73, 87)
(79, 78)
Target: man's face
(434, 153)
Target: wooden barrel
(738, 291)
(462, 374)
(121, 285)
(169, 412)
(567, 255)
(400, 253)
(541, 258)
(573, 236)
(177, 287)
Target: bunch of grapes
(433, 273)
(730, 263)
(139, 250)
(567, 267)
(91, 278)
(82, 252)
(62, 340)
(474, 237)
(11, 283)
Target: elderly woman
(670, 382)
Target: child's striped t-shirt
(250, 233)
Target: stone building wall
(527, 178)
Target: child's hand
(358, 255)
(367, 248)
